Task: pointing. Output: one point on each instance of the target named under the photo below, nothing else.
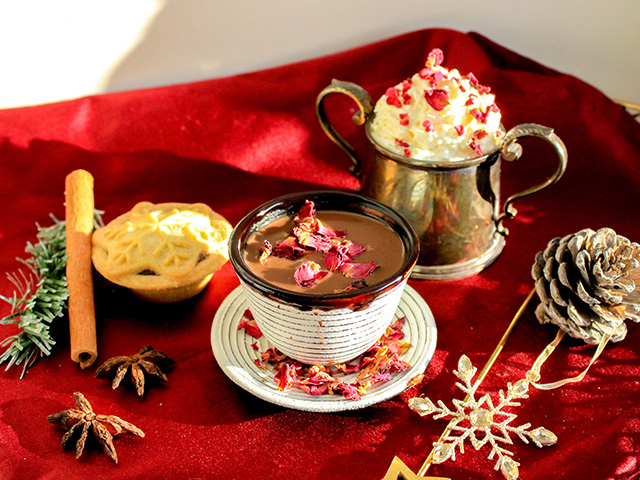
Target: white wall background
(53, 50)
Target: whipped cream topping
(438, 115)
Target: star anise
(82, 419)
(146, 360)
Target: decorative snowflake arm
(466, 371)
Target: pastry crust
(163, 252)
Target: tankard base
(461, 269)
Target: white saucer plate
(236, 356)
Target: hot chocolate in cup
(338, 316)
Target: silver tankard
(453, 206)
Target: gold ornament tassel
(534, 374)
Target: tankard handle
(365, 106)
(511, 151)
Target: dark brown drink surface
(383, 246)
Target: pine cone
(587, 282)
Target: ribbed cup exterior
(323, 337)
(322, 329)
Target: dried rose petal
(472, 98)
(317, 381)
(399, 365)
(308, 274)
(425, 73)
(437, 98)
(272, 355)
(391, 92)
(287, 374)
(480, 134)
(319, 374)
(334, 259)
(347, 391)
(373, 367)
(250, 326)
(355, 285)
(342, 253)
(477, 135)
(327, 232)
(374, 380)
(394, 332)
(356, 249)
(306, 211)
(404, 119)
(392, 97)
(428, 126)
(312, 240)
(368, 358)
(401, 143)
(358, 284)
(313, 390)
(459, 130)
(479, 115)
(358, 270)
(313, 234)
(437, 76)
(288, 248)
(386, 360)
(475, 147)
(482, 89)
(435, 57)
(265, 251)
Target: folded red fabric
(234, 143)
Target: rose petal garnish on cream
(436, 115)
(438, 98)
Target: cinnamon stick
(79, 207)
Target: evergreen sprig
(40, 297)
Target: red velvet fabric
(237, 142)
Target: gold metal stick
(483, 373)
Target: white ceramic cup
(322, 329)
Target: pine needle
(40, 296)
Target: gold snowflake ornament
(482, 422)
